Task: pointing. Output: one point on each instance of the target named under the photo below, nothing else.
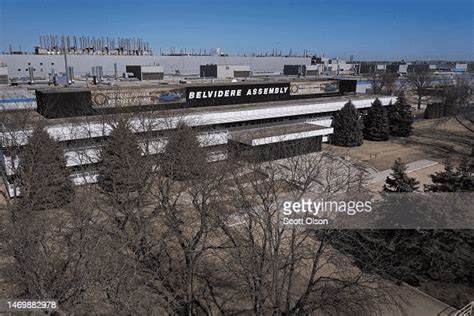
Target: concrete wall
(403, 69)
(227, 71)
(3, 75)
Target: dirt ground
(432, 139)
(2, 199)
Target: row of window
(34, 69)
(97, 141)
(41, 64)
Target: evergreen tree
(347, 127)
(466, 175)
(43, 178)
(398, 180)
(376, 122)
(123, 168)
(445, 181)
(183, 157)
(400, 118)
(453, 179)
(391, 111)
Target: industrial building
(224, 71)
(145, 72)
(232, 118)
(3, 75)
(301, 70)
(333, 66)
(403, 68)
(44, 66)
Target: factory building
(264, 118)
(145, 72)
(409, 67)
(115, 65)
(301, 70)
(333, 66)
(3, 75)
(224, 71)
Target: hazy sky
(367, 29)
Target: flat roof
(188, 82)
(274, 134)
(62, 89)
(216, 108)
(20, 115)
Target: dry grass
(432, 139)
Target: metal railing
(466, 310)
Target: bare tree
(206, 241)
(458, 103)
(49, 237)
(384, 83)
(420, 80)
(376, 82)
(187, 204)
(457, 97)
(268, 267)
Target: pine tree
(445, 181)
(453, 179)
(466, 175)
(400, 118)
(376, 122)
(43, 178)
(347, 127)
(398, 180)
(391, 111)
(183, 157)
(123, 168)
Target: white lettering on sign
(236, 92)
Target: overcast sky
(367, 29)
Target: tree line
(380, 122)
(174, 234)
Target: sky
(366, 29)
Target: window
(41, 64)
(19, 69)
(52, 64)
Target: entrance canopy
(278, 134)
